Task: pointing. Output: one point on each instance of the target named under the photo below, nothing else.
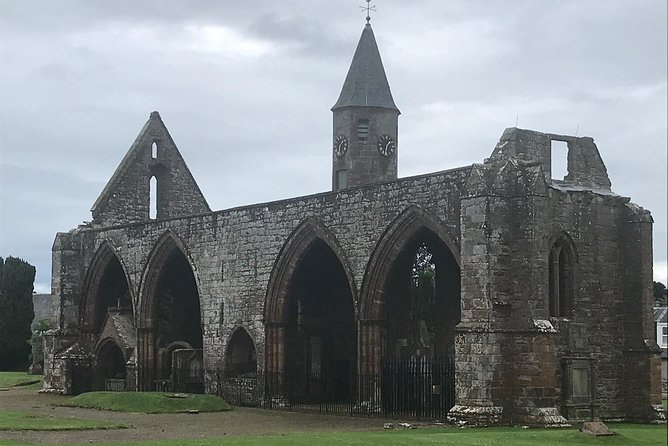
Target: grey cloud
(75, 91)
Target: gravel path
(239, 421)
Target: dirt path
(240, 421)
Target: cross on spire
(368, 8)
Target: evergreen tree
(660, 294)
(16, 312)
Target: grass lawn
(148, 402)
(627, 435)
(14, 379)
(21, 421)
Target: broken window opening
(153, 198)
(154, 150)
(559, 160)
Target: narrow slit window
(153, 198)
(341, 179)
(154, 150)
(559, 160)
(561, 264)
(362, 130)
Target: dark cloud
(245, 89)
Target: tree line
(16, 312)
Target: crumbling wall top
(585, 166)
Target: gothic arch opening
(422, 305)
(170, 334)
(240, 355)
(561, 261)
(311, 332)
(410, 307)
(110, 367)
(106, 288)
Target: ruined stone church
(491, 292)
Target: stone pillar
(275, 361)
(66, 278)
(370, 354)
(146, 357)
(640, 380)
(505, 356)
(478, 363)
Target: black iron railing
(408, 390)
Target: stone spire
(366, 84)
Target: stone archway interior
(111, 371)
(112, 292)
(177, 312)
(423, 303)
(240, 357)
(421, 309)
(321, 340)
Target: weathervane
(368, 8)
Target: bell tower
(365, 121)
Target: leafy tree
(16, 312)
(423, 300)
(660, 294)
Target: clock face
(340, 145)
(386, 145)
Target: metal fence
(408, 390)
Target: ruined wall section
(505, 349)
(641, 378)
(126, 197)
(611, 309)
(233, 252)
(585, 166)
(514, 359)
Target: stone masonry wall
(504, 215)
(126, 196)
(233, 252)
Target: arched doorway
(107, 297)
(311, 330)
(240, 355)
(106, 286)
(170, 333)
(110, 367)
(422, 304)
(410, 307)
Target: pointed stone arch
(110, 365)
(240, 353)
(106, 266)
(410, 225)
(309, 315)
(158, 302)
(388, 248)
(562, 260)
(165, 246)
(287, 261)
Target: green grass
(21, 421)
(640, 435)
(147, 402)
(15, 379)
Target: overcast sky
(246, 88)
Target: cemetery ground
(27, 417)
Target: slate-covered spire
(366, 83)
